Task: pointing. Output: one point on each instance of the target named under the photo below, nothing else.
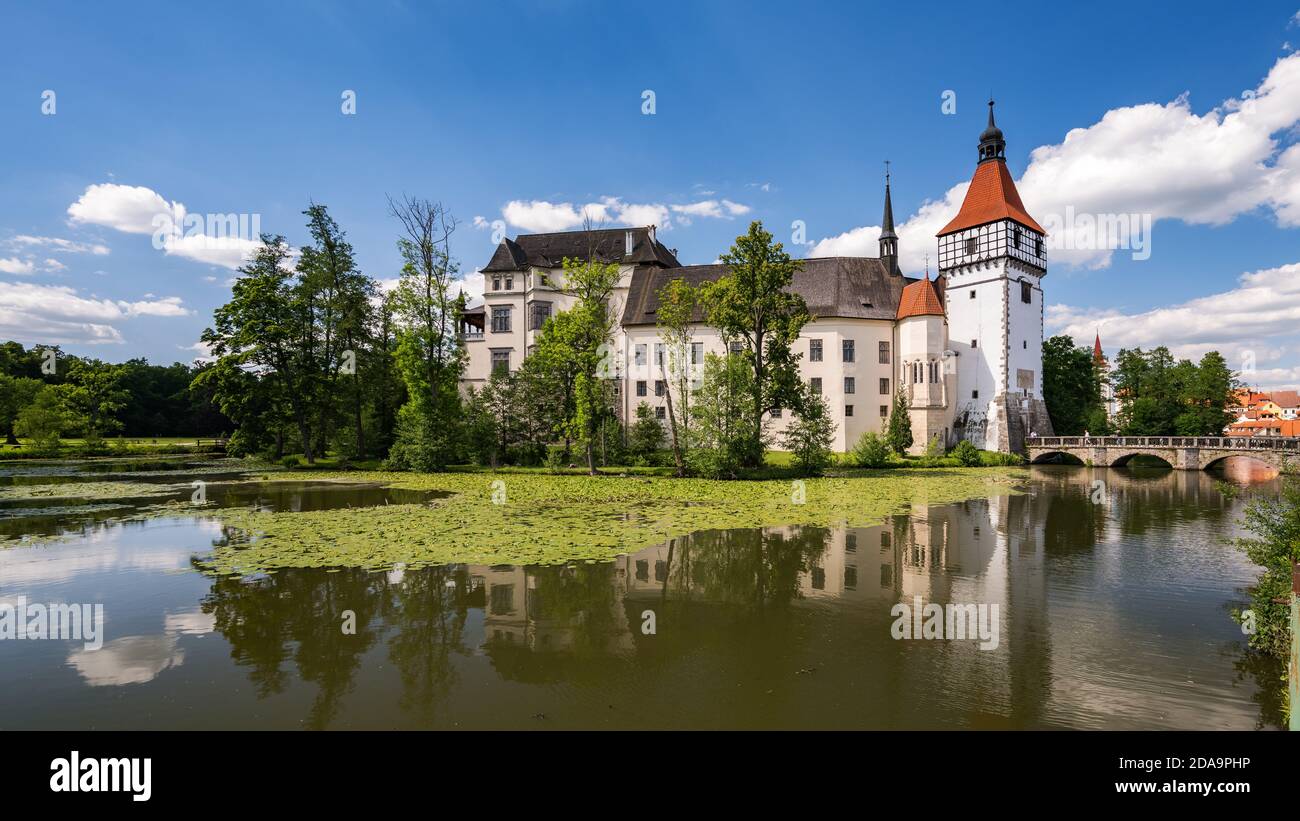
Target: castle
(965, 347)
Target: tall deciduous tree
(1072, 388)
(753, 304)
(676, 316)
(430, 355)
(267, 328)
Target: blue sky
(529, 112)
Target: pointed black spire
(888, 239)
(992, 145)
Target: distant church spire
(992, 145)
(888, 239)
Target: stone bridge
(1181, 452)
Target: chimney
(629, 239)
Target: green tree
(755, 304)
(95, 395)
(1071, 387)
(899, 431)
(723, 417)
(46, 418)
(585, 330)
(430, 355)
(809, 435)
(645, 436)
(267, 328)
(1208, 393)
(1273, 523)
(16, 393)
(676, 316)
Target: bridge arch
(1216, 459)
(1053, 457)
(1123, 461)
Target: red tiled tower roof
(1097, 355)
(920, 299)
(992, 196)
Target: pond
(1113, 593)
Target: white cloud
(60, 244)
(135, 209)
(55, 314)
(52, 264)
(131, 209)
(14, 265)
(1258, 321)
(1163, 160)
(542, 215)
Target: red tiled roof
(920, 299)
(992, 196)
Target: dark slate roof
(839, 287)
(550, 250)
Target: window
(1019, 238)
(1038, 247)
(642, 570)
(849, 384)
(814, 350)
(661, 387)
(776, 413)
(541, 311)
(816, 385)
(1026, 292)
(972, 293)
(1024, 343)
(659, 412)
(846, 349)
(886, 575)
(501, 320)
(974, 394)
(496, 283)
(884, 411)
(503, 599)
(974, 343)
(661, 571)
(543, 280)
(850, 543)
(850, 577)
(884, 385)
(819, 578)
(640, 387)
(638, 356)
(510, 283)
(848, 410)
(884, 353)
(885, 540)
(659, 355)
(972, 245)
(697, 353)
(735, 347)
(501, 361)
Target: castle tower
(993, 258)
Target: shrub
(871, 451)
(289, 462)
(994, 459)
(933, 454)
(967, 454)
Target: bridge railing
(1286, 443)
